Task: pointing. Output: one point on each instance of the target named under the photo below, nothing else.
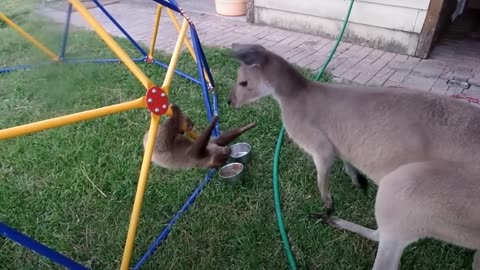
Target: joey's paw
(175, 108)
(189, 123)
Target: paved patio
(454, 67)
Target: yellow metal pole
(155, 31)
(70, 119)
(29, 37)
(177, 26)
(142, 182)
(187, 41)
(176, 54)
(112, 44)
(171, 68)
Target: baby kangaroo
(420, 148)
(173, 150)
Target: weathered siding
(387, 24)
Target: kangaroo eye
(245, 83)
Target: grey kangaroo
(173, 150)
(421, 149)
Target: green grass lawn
(72, 187)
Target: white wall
(387, 24)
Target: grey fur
(420, 148)
(173, 150)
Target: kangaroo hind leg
(476, 261)
(389, 254)
(348, 226)
(358, 179)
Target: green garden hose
(276, 193)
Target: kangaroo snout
(231, 96)
(232, 101)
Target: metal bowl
(240, 152)
(232, 173)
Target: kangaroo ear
(199, 147)
(250, 54)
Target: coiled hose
(276, 193)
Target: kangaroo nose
(229, 101)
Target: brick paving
(453, 67)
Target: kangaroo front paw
(330, 205)
(330, 210)
(362, 182)
(321, 217)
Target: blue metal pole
(202, 54)
(209, 74)
(206, 97)
(41, 249)
(178, 72)
(10, 69)
(166, 231)
(215, 105)
(65, 33)
(175, 3)
(134, 43)
(215, 110)
(21, 67)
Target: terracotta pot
(231, 7)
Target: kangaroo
(420, 148)
(173, 150)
